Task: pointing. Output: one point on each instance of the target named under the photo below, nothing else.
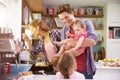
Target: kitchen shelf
(99, 28)
(83, 16)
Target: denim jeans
(86, 75)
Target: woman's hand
(25, 37)
(28, 41)
(56, 55)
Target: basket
(21, 68)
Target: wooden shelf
(82, 16)
(99, 28)
(90, 16)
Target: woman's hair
(66, 64)
(64, 8)
(80, 24)
(40, 23)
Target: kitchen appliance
(7, 47)
(116, 33)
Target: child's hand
(42, 72)
(72, 49)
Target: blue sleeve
(90, 30)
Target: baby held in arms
(75, 40)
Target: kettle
(6, 68)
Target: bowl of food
(16, 68)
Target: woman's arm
(27, 41)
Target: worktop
(107, 72)
(102, 73)
(35, 77)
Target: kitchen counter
(107, 73)
(34, 77)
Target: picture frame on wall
(58, 23)
(49, 21)
(37, 16)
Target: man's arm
(91, 39)
(88, 42)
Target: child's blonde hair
(66, 64)
(80, 23)
(40, 23)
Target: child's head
(79, 27)
(67, 64)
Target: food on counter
(110, 62)
(118, 64)
(25, 73)
(42, 64)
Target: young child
(67, 66)
(79, 28)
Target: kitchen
(109, 21)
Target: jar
(50, 10)
(81, 11)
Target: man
(85, 61)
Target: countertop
(100, 66)
(107, 72)
(34, 77)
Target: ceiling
(78, 2)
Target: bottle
(24, 55)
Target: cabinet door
(113, 50)
(113, 14)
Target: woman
(85, 61)
(45, 46)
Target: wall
(11, 17)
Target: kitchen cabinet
(113, 20)
(113, 14)
(113, 48)
(105, 73)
